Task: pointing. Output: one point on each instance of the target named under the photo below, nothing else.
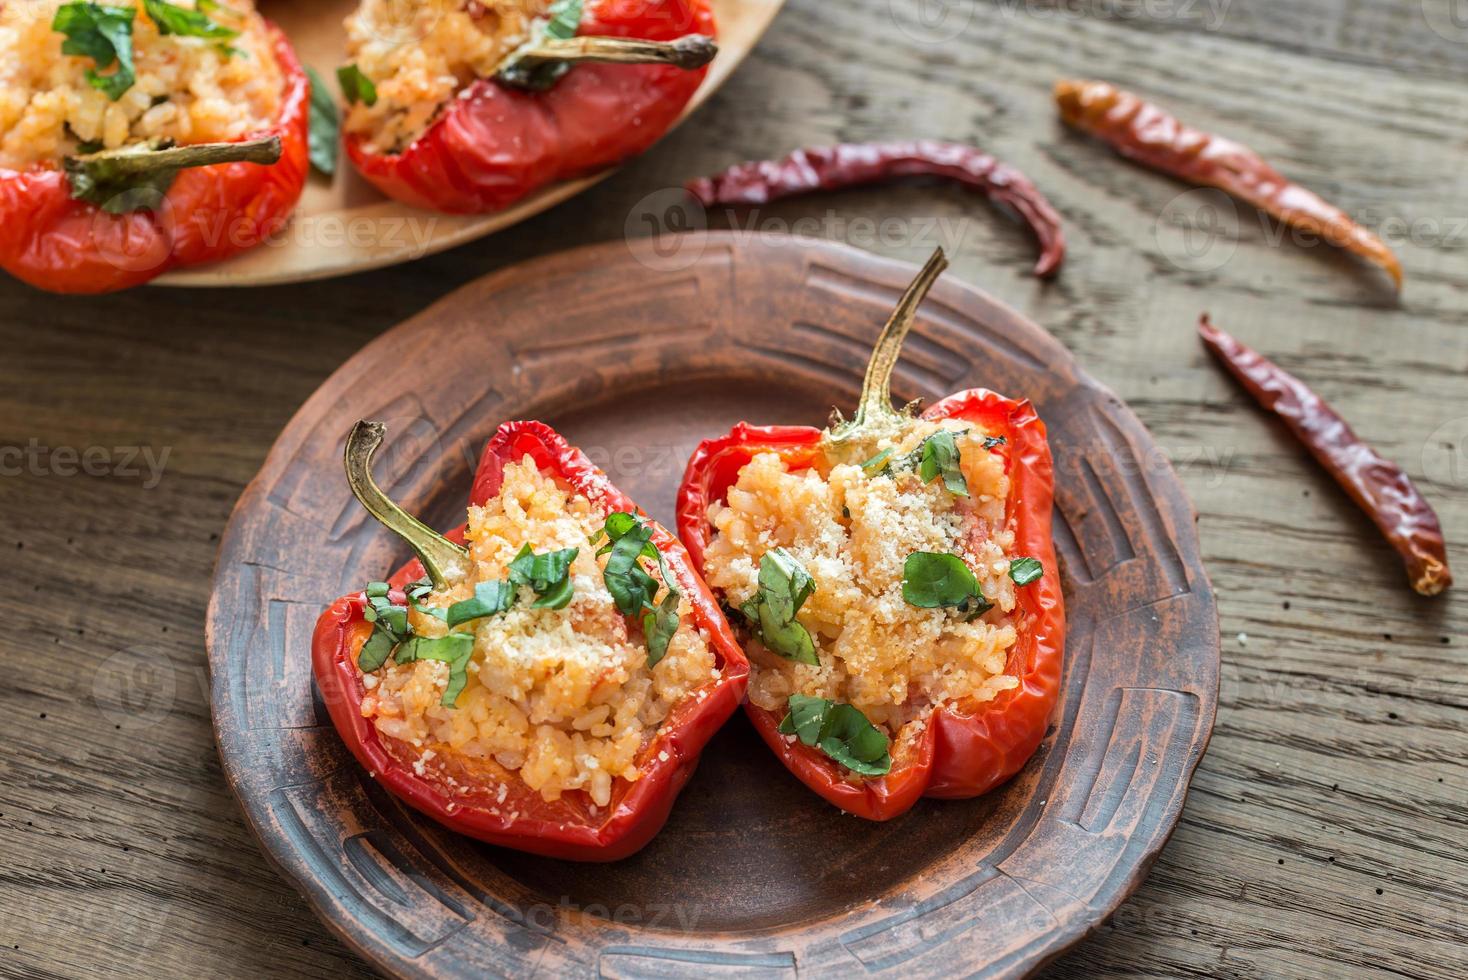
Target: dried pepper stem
(145, 159)
(690, 52)
(875, 417)
(437, 553)
(1153, 137)
(1377, 485)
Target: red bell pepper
(567, 828)
(221, 204)
(967, 748)
(495, 144)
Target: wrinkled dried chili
(1153, 137)
(854, 164)
(1378, 486)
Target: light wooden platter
(344, 225)
(753, 875)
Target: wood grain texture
(758, 872)
(1340, 746)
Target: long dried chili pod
(831, 168)
(1150, 135)
(1377, 485)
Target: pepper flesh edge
(495, 145)
(635, 816)
(968, 747)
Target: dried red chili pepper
(968, 747)
(496, 143)
(231, 197)
(1151, 136)
(854, 164)
(517, 816)
(1377, 485)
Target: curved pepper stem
(540, 64)
(437, 553)
(875, 415)
(136, 177)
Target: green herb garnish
(172, 19)
(938, 456)
(993, 442)
(356, 87)
(490, 599)
(783, 588)
(455, 649)
(104, 34)
(561, 23)
(878, 464)
(549, 575)
(564, 19)
(393, 636)
(629, 538)
(840, 731)
(324, 133)
(931, 580)
(1025, 570)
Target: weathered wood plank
(1364, 101)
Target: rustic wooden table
(1324, 834)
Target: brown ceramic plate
(344, 225)
(753, 875)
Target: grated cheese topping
(852, 531)
(563, 697)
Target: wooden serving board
(636, 357)
(345, 225)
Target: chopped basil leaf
(375, 651)
(931, 580)
(877, 465)
(993, 442)
(629, 538)
(805, 717)
(1025, 570)
(455, 649)
(548, 574)
(490, 599)
(356, 87)
(840, 731)
(103, 33)
(938, 456)
(376, 590)
(783, 588)
(659, 626)
(172, 19)
(565, 19)
(324, 132)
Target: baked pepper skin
(523, 820)
(495, 145)
(967, 748)
(56, 243)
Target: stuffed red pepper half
(136, 137)
(896, 584)
(469, 106)
(545, 677)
